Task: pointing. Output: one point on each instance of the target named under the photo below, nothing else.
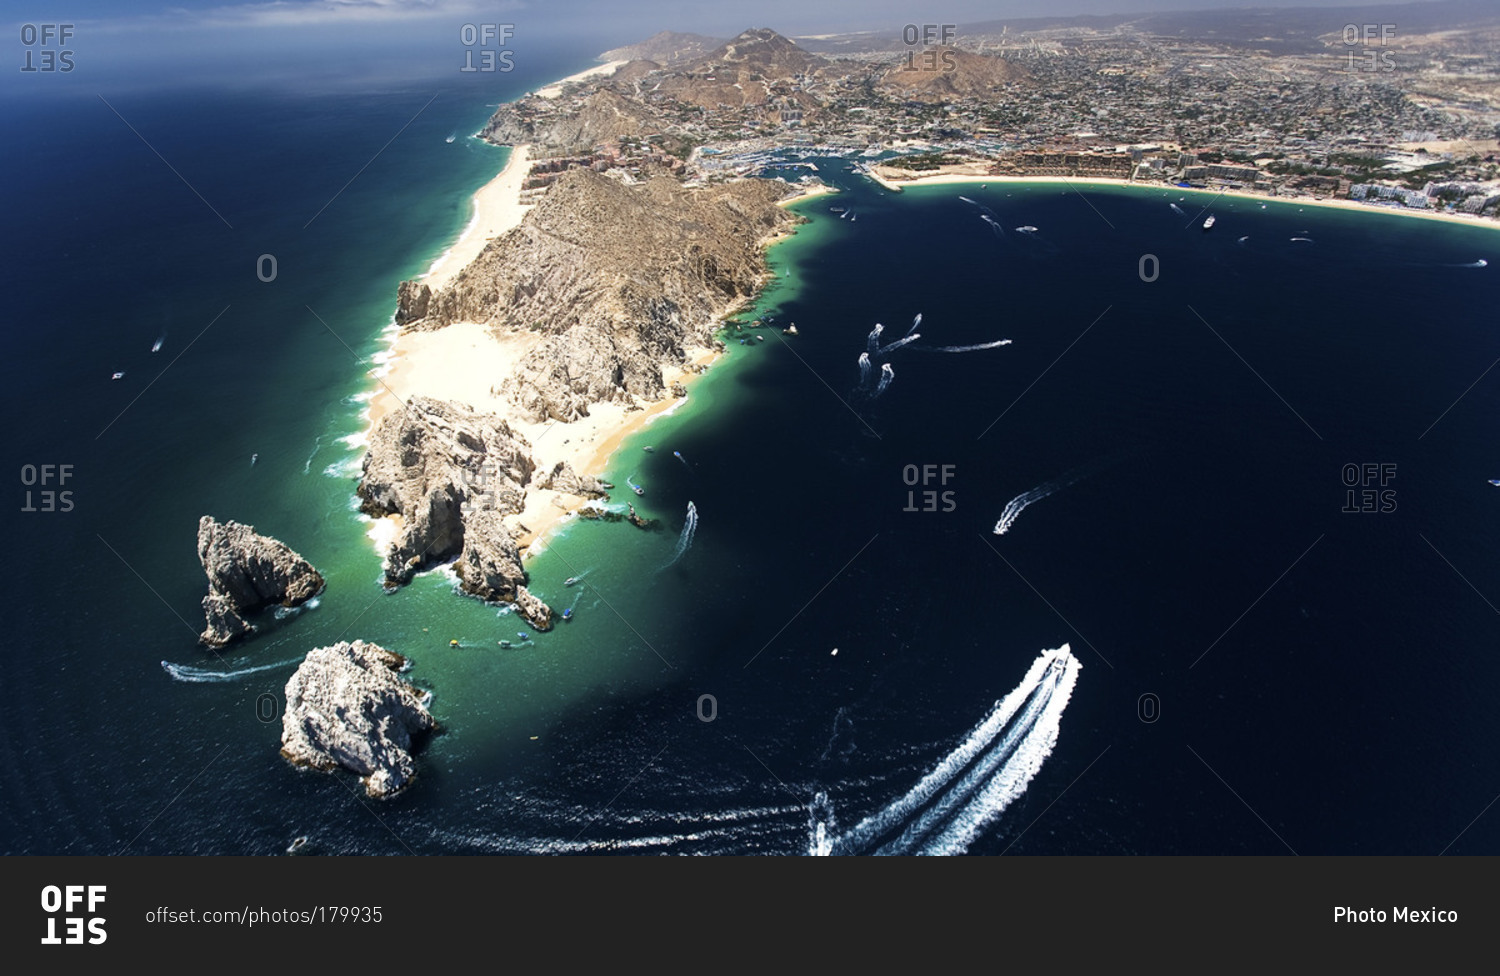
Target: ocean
(1259, 516)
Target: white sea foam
(983, 345)
(198, 676)
(974, 783)
(689, 528)
(910, 338)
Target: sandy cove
(1301, 201)
(465, 361)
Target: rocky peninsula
(348, 706)
(247, 572)
(587, 315)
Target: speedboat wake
(973, 784)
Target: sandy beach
(599, 71)
(1300, 201)
(497, 208)
(464, 362)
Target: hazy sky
(162, 39)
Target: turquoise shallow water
(1205, 418)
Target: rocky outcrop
(533, 610)
(247, 572)
(621, 280)
(347, 706)
(452, 474)
(564, 479)
(411, 301)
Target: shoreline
(597, 71)
(942, 179)
(496, 208)
(464, 362)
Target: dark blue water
(1320, 677)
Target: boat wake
(689, 528)
(1177, 210)
(914, 323)
(865, 368)
(307, 465)
(156, 346)
(200, 676)
(872, 343)
(968, 788)
(983, 345)
(886, 375)
(1019, 504)
(910, 338)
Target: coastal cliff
(347, 706)
(246, 572)
(452, 474)
(619, 280)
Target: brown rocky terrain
(247, 572)
(619, 280)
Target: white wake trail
(199, 676)
(872, 344)
(981, 776)
(865, 368)
(689, 528)
(886, 375)
(887, 350)
(914, 323)
(983, 345)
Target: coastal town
(1367, 113)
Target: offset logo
(930, 499)
(77, 928)
(44, 44)
(488, 42)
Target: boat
(1208, 224)
(453, 643)
(570, 581)
(254, 458)
(523, 635)
(297, 844)
(790, 330)
(568, 614)
(1495, 482)
(649, 450)
(506, 643)
(1027, 229)
(156, 346)
(118, 376)
(635, 487)
(451, 137)
(760, 338)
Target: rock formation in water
(247, 572)
(563, 478)
(347, 706)
(452, 474)
(621, 281)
